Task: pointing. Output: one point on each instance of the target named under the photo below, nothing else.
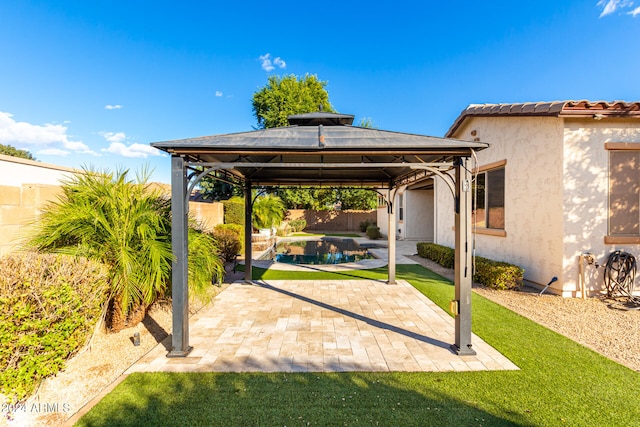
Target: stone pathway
(322, 326)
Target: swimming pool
(326, 250)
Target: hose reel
(619, 276)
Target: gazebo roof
(320, 149)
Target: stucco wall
(585, 170)
(25, 186)
(533, 149)
(419, 215)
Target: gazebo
(321, 149)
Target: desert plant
(373, 232)
(125, 225)
(49, 306)
(229, 240)
(297, 225)
(268, 211)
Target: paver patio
(322, 326)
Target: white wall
(585, 171)
(419, 215)
(15, 171)
(532, 147)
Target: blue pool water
(321, 251)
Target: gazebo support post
(463, 261)
(248, 228)
(180, 268)
(391, 239)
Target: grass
(560, 383)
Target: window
(624, 192)
(488, 194)
(400, 207)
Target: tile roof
(582, 108)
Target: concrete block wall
(20, 206)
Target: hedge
(233, 211)
(492, 274)
(49, 307)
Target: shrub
(284, 231)
(297, 224)
(49, 306)
(493, 274)
(441, 254)
(365, 224)
(373, 232)
(497, 274)
(229, 240)
(234, 211)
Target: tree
(284, 96)
(268, 211)
(125, 225)
(357, 199)
(10, 150)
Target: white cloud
(218, 93)
(141, 151)
(114, 136)
(113, 107)
(269, 65)
(21, 134)
(610, 6)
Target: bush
(373, 232)
(297, 224)
(441, 254)
(234, 211)
(492, 274)
(365, 224)
(497, 274)
(49, 306)
(229, 240)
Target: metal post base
(391, 282)
(180, 353)
(463, 351)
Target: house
(559, 186)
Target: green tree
(307, 198)
(268, 211)
(9, 150)
(284, 96)
(125, 225)
(357, 199)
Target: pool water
(322, 251)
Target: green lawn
(560, 383)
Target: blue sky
(94, 82)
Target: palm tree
(268, 211)
(127, 226)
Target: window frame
(485, 169)
(618, 238)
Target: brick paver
(322, 326)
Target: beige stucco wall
(418, 213)
(25, 187)
(533, 149)
(585, 172)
